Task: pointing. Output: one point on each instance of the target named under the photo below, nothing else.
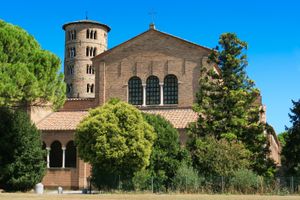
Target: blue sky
(271, 28)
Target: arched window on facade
(56, 154)
(171, 89)
(70, 155)
(87, 68)
(87, 33)
(74, 34)
(152, 91)
(95, 35)
(135, 91)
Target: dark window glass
(152, 91)
(70, 155)
(135, 91)
(56, 154)
(170, 90)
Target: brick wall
(152, 53)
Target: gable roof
(68, 120)
(144, 33)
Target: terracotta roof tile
(62, 120)
(180, 118)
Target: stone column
(161, 94)
(63, 156)
(48, 156)
(144, 94)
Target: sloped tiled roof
(62, 120)
(180, 118)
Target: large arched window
(56, 154)
(135, 91)
(70, 155)
(171, 89)
(152, 91)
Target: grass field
(26, 196)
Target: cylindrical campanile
(84, 40)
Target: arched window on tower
(74, 34)
(91, 34)
(92, 88)
(152, 91)
(87, 68)
(91, 51)
(87, 51)
(135, 91)
(90, 69)
(94, 51)
(93, 69)
(95, 35)
(70, 155)
(88, 33)
(171, 89)
(88, 88)
(56, 154)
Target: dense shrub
(22, 162)
(187, 178)
(244, 181)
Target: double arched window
(170, 89)
(72, 35)
(152, 91)
(90, 88)
(135, 91)
(59, 156)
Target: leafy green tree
(167, 152)
(116, 139)
(226, 103)
(21, 155)
(291, 150)
(282, 138)
(28, 74)
(213, 157)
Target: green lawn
(26, 196)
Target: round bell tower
(84, 40)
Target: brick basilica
(155, 71)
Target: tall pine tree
(226, 104)
(291, 150)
